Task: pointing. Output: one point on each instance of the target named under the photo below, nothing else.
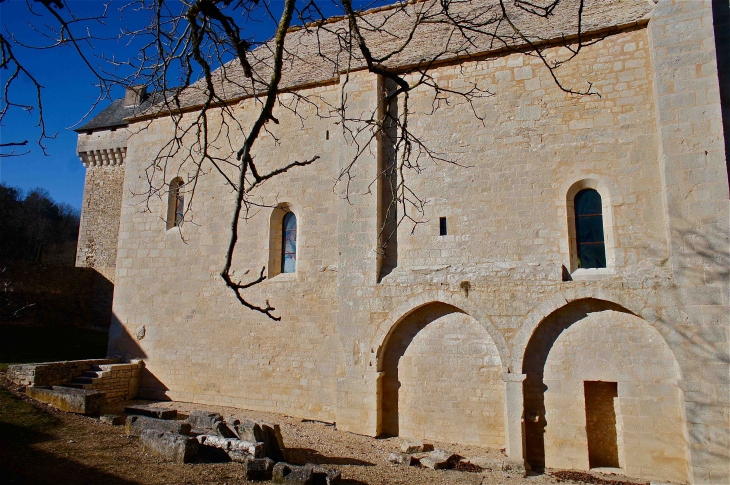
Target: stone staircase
(88, 378)
(118, 381)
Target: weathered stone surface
(411, 446)
(258, 468)
(324, 476)
(136, 425)
(439, 459)
(232, 421)
(224, 431)
(255, 450)
(249, 431)
(291, 474)
(68, 399)
(403, 459)
(113, 419)
(273, 441)
(171, 446)
(151, 411)
(203, 419)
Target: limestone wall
(500, 269)
(611, 346)
(199, 343)
(100, 213)
(450, 385)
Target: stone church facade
(483, 325)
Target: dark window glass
(589, 229)
(442, 226)
(289, 243)
(179, 205)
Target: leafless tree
(206, 49)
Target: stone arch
(538, 313)
(395, 317)
(593, 341)
(441, 378)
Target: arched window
(175, 204)
(589, 237)
(289, 243)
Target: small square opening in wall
(442, 226)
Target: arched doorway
(601, 391)
(442, 379)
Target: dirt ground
(40, 445)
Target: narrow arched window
(289, 243)
(589, 229)
(175, 204)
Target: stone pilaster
(694, 174)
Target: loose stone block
(112, 419)
(136, 425)
(258, 468)
(273, 441)
(291, 474)
(324, 476)
(203, 419)
(255, 450)
(232, 421)
(151, 411)
(69, 399)
(224, 431)
(438, 459)
(249, 431)
(403, 459)
(170, 446)
(411, 446)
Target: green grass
(20, 420)
(28, 344)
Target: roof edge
(614, 29)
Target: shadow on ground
(301, 456)
(22, 426)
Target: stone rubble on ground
(170, 446)
(151, 411)
(203, 419)
(258, 468)
(255, 450)
(439, 459)
(113, 419)
(224, 431)
(136, 425)
(291, 474)
(412, 446)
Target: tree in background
(35, 228)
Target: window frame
(276, 242)
(569, 248)
(175, 204)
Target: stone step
(73, 385)
(91, 373)
(83, 380)
(69, 399)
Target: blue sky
(68, 92)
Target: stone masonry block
(170, 446)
